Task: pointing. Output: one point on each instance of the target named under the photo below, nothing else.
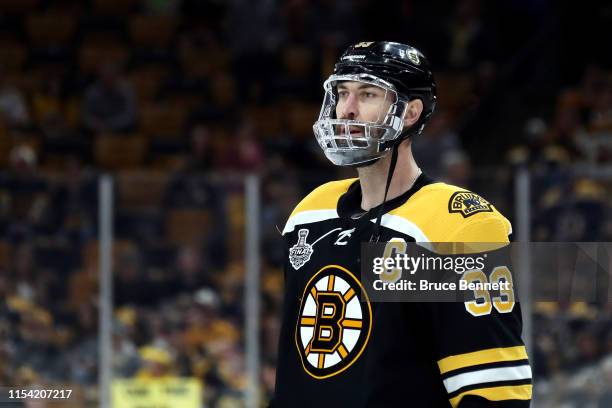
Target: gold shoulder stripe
(513, 392)
(493, 355)
(324, 197)
(428, 209)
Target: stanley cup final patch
(300, 253)
(467, 204)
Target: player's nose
(350, 108)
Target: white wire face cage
(348, 142)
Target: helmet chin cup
(352, 143)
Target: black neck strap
(376, 232)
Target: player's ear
(413, 112)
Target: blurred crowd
(572, 354)
(177, 99)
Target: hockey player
(339, 349)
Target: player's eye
(342, 94)
(369, 95)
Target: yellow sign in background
(157, 393)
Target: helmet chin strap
(405, 134)
(376, 233)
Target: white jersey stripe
(394, 222)
(307, 217)
(488, 375)
(401, 224)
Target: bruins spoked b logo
(334, 325)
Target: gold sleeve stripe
(482, 357)
(512, 392)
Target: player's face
(362, 102)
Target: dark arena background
(151, 150)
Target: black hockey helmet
(402, 65)
(403, 73)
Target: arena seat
(152, 31)
(186, 226)
(113, 7)
(162, 120)
(18, 6)
(141, 189)
(50, 29)
(13, 54)
(120, 151)
(92, 54)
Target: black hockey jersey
(338, 351)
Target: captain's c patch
(467, 204)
